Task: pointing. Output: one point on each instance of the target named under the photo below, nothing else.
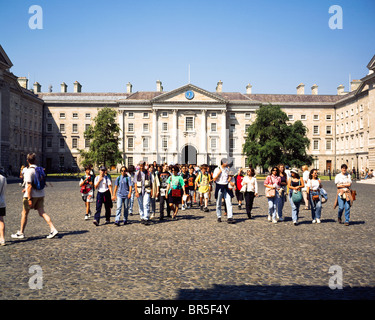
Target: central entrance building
(188, 155)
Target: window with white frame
(130, 127)
(74, 143)
(145, 143)
(290, 117)
(316, 117)
(303, 117)
(213, 115)
(328, 117)
(75, 115)
(328, 129)
(146, 115)
(145, 127)
(189, 124)
(316, 130)
(247, 115)
(316, 145)
(87, 143)
(62, 115)
(164, 143)
(328, 144)
(130, 143)
(88, 115)
(164, 127)
(164, 114)
(75, 128)
(213, 143)
(62, 127)
(213, 127)
(130, 161)
(131, 115)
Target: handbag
(243, 189)
(315, 197)
(270, 193)
(297, 196)
(176, 193)
(354, 193)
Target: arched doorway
(189, 155)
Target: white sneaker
(183, 207)
(317, 220)
(18, 235)
(52, 234)
(274, 221)
(314, 221)
(269, 218)
(86, 217)
(2, 242)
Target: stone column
(203, 147)
(224, 134)
(155, 133)
(175, 134)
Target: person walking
(175, 190)
(190, 187)
(122, 193)
(163, 177)
(143, 181)
(222, 178)
(238, 184)
(344, 198)
(87, 190)
(251, 190)
(295, 184)
(282, 191)
(3, 184)
(155, 189)
(313, 190)
(103, 184)
(131, 173)
(273, 184)
(33, 197)
(202, 183)
(305, 176)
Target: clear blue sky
(274, 45)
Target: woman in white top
(313, 191)
(251, 190)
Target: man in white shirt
(103, 184)
(33, 199)
(222, 178)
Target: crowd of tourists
(187, 186)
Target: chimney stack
(129, 87)
(248, 88)
(314, 90)
(64, 87)
(219, 87)
(37, 87)
(77, 87)
(340, 90)
(159, 86)
(355, 84)
(23, 82)
(301, 89)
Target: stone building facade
(188, 124)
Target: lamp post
(357, 166)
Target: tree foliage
(271, 140)
(104, 140)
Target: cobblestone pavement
(192, 257)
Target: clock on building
(189, 95)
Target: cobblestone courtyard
(192, 257)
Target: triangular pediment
(189, 94)
(4, 59)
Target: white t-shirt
(313, 184)
(343, 179)
(223, 177)
(103, 185)
(29, 178)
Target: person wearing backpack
(123, 193)
(33, 197)
(87, 190)
(203, 185)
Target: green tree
(104, 140)
(272, 140)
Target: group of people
(283, 184)
(185, 185)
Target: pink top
(271, 180)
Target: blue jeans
(280, 205)
(316, 206)
(122, 201)
(344, 205)
(131, 204)
(223, 193)
(144, 205)
(272, 205)
(295, 207)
